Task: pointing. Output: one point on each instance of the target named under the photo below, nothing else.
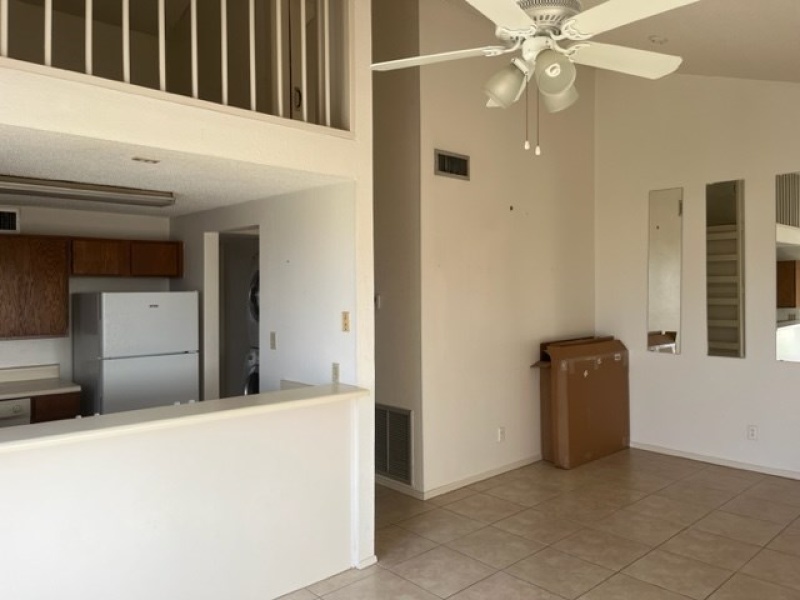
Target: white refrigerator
(135, 350)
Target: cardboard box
(585, 409)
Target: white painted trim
(251, 16)
(126, 41)
(714, 460)
(450, 487)
(3, 27)
(162, 46)
(88, 47)
(367, 562)
(223, 25)
(278, 62)
(48, 32)
(303, 60)
(195, 67)
(135, 90)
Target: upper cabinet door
(157, 259)
(34, 290)
(101, 257)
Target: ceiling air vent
(450, 164)
(9, 220)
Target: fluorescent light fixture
(71, 190)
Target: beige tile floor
(632, 526)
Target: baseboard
(367, 562)
(715, 460)
(450, 487)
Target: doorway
(239, 306)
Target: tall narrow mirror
(664, 271)
(725, 268)
(787, 213)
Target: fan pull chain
(538, 150)
(527, 120)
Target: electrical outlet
(335, 372)
(501, 434)
(273, 340)
(752, 433)
(345, 321)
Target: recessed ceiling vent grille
(450, 164)
(393, 443)
(9, 220)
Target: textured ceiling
(199, 182)
(750, 39)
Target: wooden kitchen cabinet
(94, 257)
(34, 286)
(156, 259)
(54, 407)
(102, 258)
(788, 278)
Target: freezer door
(143, 324)
(147, 381)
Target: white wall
(687, 131)
(59, 101)
(247, 504)
(495, 282)
(307, 258)
(52, 221)
(398, 351)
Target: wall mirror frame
(725, 280)
(787, 267)
(664, 270)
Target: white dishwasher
(15, 412)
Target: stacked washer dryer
(253, 358)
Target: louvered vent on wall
(393, 442)
(787, 199)
(9, 220)
(450, 164)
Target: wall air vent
(9, 220)
(393, 443)
(450, 164)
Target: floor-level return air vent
(9, 220)
(450, 164)
(393, 443)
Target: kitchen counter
(29, 388)
(149, 419)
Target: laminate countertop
(36, 387)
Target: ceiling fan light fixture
(558, 102)
(555, 76)
(506, 86)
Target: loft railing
(286, 58)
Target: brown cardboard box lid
(577, 348)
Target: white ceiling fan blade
(429, 59)
(631, 61)
(503, 13)
(616, 13)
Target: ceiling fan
(549, 38)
